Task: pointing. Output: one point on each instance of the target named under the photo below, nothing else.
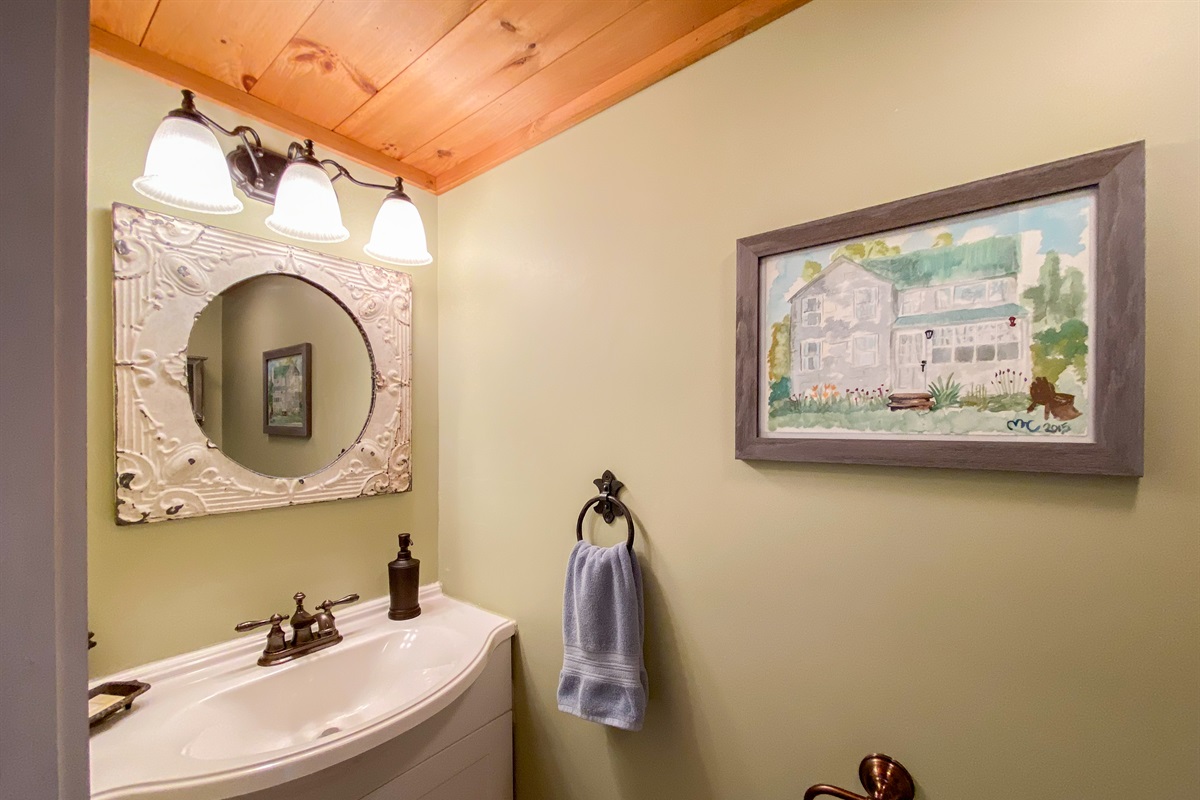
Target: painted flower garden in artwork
(972, 326)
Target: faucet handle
(275, 641)
(274, 621)
(325, 624)
(328, 604)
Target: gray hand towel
(603, 678)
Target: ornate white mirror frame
(165, 271)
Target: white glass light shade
(185, 168)
(306, 206)
(398, 235)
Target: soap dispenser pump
(404, 581)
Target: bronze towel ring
(607, 505)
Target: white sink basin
(215, 724)
(340, 689)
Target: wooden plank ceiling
(436, 91)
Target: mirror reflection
(279, 375)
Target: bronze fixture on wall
(606, 505)
(882, 776)
(186, 168)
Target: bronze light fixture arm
(265, 177)
(303, 151)
(249, 137)
(396, 189)
(397, 235)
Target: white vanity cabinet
(419, 709)
(463, 752)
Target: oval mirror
(279, 375)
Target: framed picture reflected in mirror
(287, 391)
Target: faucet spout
(882, 776)
(301, 622)
(832, 791)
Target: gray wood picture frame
(303, 351)
(1117, 176)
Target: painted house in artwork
(902, 322)
(287, 389)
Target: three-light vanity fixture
(186, 168)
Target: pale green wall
(205, 340)
(1006, 635)
(171, 587)
(274, 311)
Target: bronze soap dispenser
(404, 581)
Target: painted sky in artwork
(1061, 223)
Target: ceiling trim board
(649, 27)
(129, 19)
(231, 40)
(496, 49)
(522, 110)
(324, 34)
(211, 89)
(742, 19)
(284, 47)
(149, 22)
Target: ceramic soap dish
(109, 698)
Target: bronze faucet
(303, 640)
(882, 776)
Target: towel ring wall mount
(607, 505)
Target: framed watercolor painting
(287, 391)
(994, 325)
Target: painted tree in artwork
(1058, 296)
(811, 270)
(1059, 331)
(1056, 349)
(943, 239)
(858, 251)
(779, 360)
